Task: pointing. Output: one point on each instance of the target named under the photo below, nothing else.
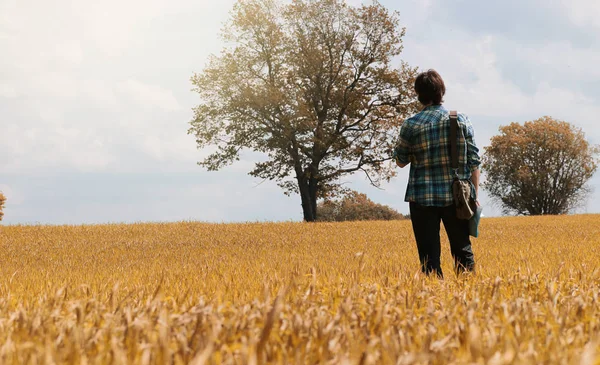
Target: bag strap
(453, 133)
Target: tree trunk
(312, 189)
(308, 194)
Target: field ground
(298, 293)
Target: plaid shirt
(425, 143)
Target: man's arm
(475, 180)
(473, 158)
(402, 150)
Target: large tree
(311, 85)
(539, 167)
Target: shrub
(2, 200)
(355, 206)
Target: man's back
(425, 143)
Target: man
(424, 143)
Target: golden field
(344, 293)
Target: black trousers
(426, 226)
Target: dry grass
(297, 293)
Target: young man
(424, 143)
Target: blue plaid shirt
(424, 143)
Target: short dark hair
(430, 87)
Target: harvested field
(344, 293)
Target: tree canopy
(310, 84)
(539, 167)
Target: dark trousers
(426, 226)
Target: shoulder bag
(466, 206)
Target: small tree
(2, 200)
(540, 167)
(310, 84)
(355, 206)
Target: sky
(95, 101)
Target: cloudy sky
(95, 100)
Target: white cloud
(562, 58)
(473, 82)
(476, 85)
(582, 12)
(100, 93)
(7, 91)
(68, 54)
(149, 96)
(83, 85)
(38, 148)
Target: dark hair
(430, 87)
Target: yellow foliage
(2, 200)
(297, 293)
(540, 167)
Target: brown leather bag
(461, 189)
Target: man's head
(430, 88)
